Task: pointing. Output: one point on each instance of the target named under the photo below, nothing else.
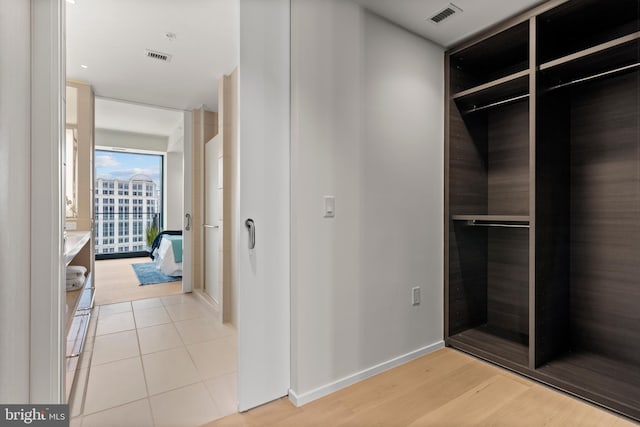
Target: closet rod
(595, 76)
(474, 223)
(495, 104)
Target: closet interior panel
(488, 239)
(552, 227)
(605, 217)
(508, 160)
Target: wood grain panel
(552, 227)
(508, 280)
(467, 163)
(467, 277)
(508, 160)
(605, 217)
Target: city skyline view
(128, 200)
(122, 166)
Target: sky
(122, 166)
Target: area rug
(148, 274)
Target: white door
(263, 271)
(187, 227)
(213, 187)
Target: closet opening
(489, 198)
(588, 212)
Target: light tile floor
(156, 362)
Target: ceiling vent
(445, 13)
(153, 54)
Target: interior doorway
(152, 79)
(138, 201)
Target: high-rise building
(123, 212)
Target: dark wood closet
(542, 198)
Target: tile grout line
(144, 373)
(204, 381)
(182, 346)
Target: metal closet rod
(475, 223)
(595, 76)
(495, 104)
(572, 82)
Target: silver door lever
(251, 227)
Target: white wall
(135, 141)
(14, 200)
(176, 139)
(175, 185)
(367, 127)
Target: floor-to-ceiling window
(128, 202)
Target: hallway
(155, 362)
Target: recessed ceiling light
(84, 66)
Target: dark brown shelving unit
(542, 199)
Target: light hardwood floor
(116, 281)
(444, 388)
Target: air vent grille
(445, 13)
(153, 54)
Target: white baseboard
(309, 396)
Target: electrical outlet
(415, 296)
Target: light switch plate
(329, 206)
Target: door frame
(47, 116)
(48, 124)
(187, 205)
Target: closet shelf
(492, 218)
(498, 92)
(579, 25)
(598, 377)
(591, 51)
(617, 55)
(489, 85)
(493, 345)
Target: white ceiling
(110, 38)
(128, 117)
(477, 15)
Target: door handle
(251, 227)
(188, 226)
(210, 226)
